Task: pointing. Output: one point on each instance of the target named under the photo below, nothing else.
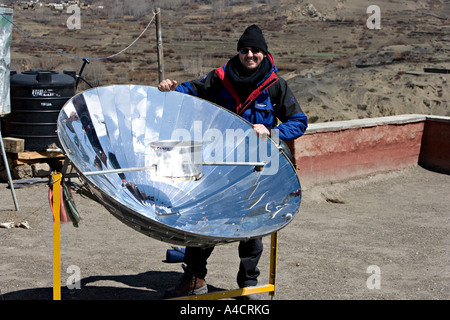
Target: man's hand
(167, 85)
(261, 131)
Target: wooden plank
(31, 155)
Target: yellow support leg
(270, 288)
(56, 236)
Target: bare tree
(117, 9)
(137, 8)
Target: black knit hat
(253, 37)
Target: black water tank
(37, 97)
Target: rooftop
(395, 220)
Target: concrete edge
(371, 122)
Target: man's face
(251, 58)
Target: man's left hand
(261, 131)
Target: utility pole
(157, 13)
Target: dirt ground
(396, 221)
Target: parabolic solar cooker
(178, 168)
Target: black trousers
(249, 252)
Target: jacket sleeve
(202, 88)
(289, 112)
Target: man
(249, 86)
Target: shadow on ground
(143, 286)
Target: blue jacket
(270, 101)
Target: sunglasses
(253, 50)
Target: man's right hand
(167, 85)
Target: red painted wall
(356, 152)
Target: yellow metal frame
(270, 287)
(56, 204)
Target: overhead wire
(76, 56)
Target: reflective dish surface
(240, 186)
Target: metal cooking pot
(177, 158)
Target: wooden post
(157, 13)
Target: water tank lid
(37, 71)
(40, 77)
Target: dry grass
(200, 36)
